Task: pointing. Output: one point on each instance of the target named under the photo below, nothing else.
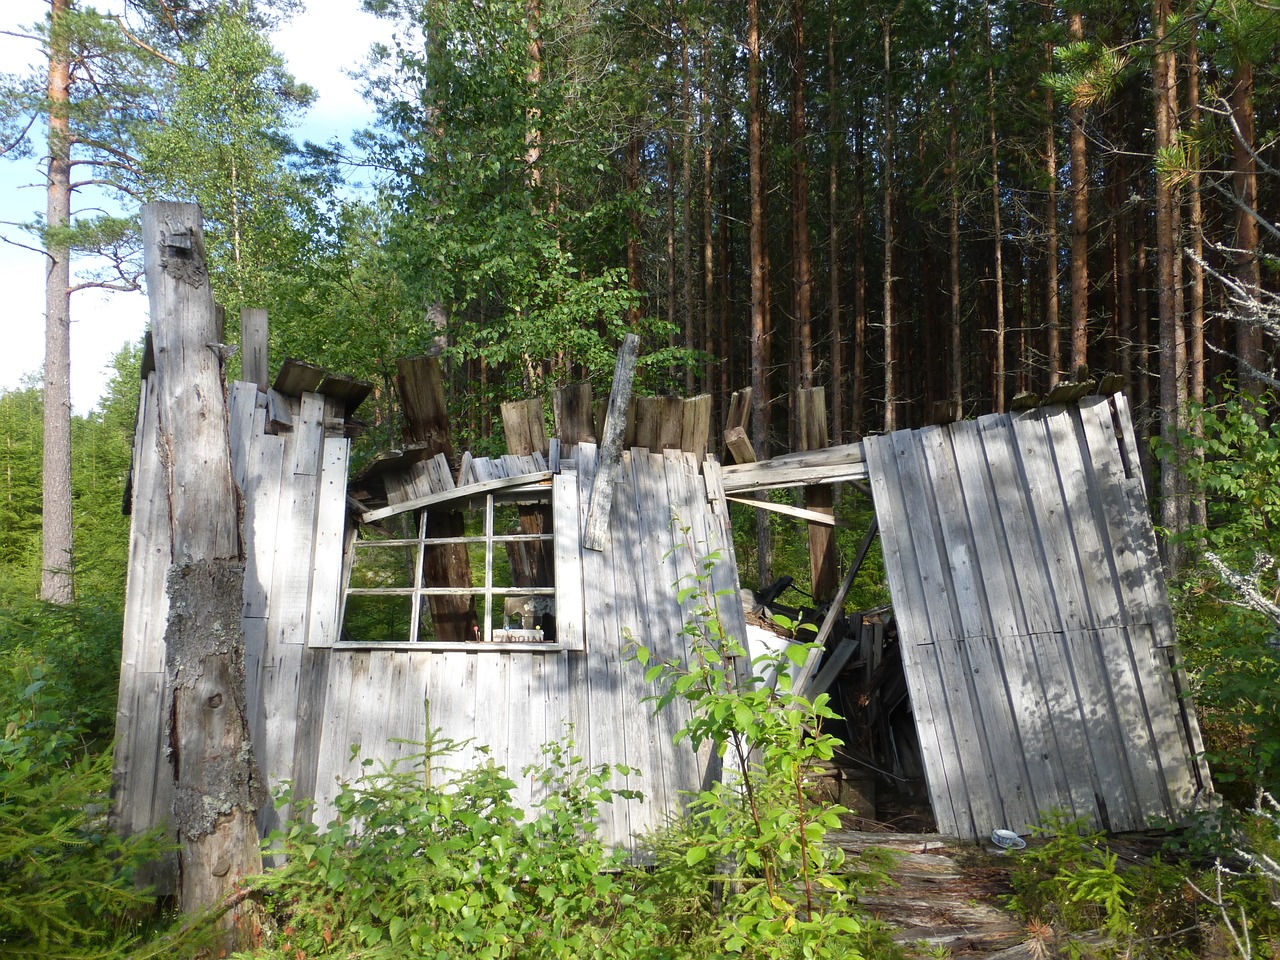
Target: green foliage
(412, 868)
(1230, 649)
(67, 882)
(756, 829)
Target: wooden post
(822, 545)
(736, 440)
(216, 785)
(254, 365)
(624, 373)
(575, 417)
(525, 426)
(420, 384)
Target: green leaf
(797, 653)
(695, 855)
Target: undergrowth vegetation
(415, 868)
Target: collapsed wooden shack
(1032, 624)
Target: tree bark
(800, 200)
(956, 369)
(833, 234)
(1245, 183)
(890, 344)
(759, 371)
(1168, 281)
(217, 789)
(1079, 225)
(1052, 296)
(998, 371)
(56, 583)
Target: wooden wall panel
(1032, 610)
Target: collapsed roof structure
(1030, 615)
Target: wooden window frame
(487, 592)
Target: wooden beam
(786, 509)
(739, 446)
(254, 366)
(420, 384)
(458, 495)
(297, 377)
(840, 464)
(596, 531)
(822, 545)
(575, 418)
(800, 682)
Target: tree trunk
(800, 200)
(1172, 341)
(998, 371)
(686, 195)
(1195, 362)
(1052, 298)
(1079, 226)
(217, 789)
(759, 371)
(890, 372)
(956, 370)
(1245, 183)
(859, 373)
(833, 233)
(56, 584)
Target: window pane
(377, 618)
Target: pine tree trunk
(998, 372)
(1172, 341)
(1053, 302)
(890, 345)
(833, 234)
(800, 200)
(1195, 362)
(859, 373)
(1079, 226)
(759, 368)
(1245, 183)
(956, 372)
(56, 585)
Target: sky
(320, 46)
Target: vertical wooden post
(524, 424)
(420, 384)
(254, 365)
(597, 526)
(217, 788)
(822, 545)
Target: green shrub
(67, 882)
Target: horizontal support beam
(846, 463)
(786, 509)
(458, 494)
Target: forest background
(913, 205)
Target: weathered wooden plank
(574, 415)
(261, 516)
(739, 445)
(942, 764)
(1028, 579)
(460, 494)
(242, 399)
(596, 531)
(522, 740)
(253, 350)
(661, 615)
(1002, 617)
(327, 553)
(1099, 709)
(1049, 520)
(348, 392)
(832, 465)
(644, 746)
(570, 608)
(819, 499)
(313, 682)
(525, 426)
(296, 377)
(1083, 518)
(942, 605)
(602, 675)
(695, 427)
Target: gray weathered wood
(296, 377)
(253, 354)
(596, 531)
(209, 735)
(832, 465)
(461, 494)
